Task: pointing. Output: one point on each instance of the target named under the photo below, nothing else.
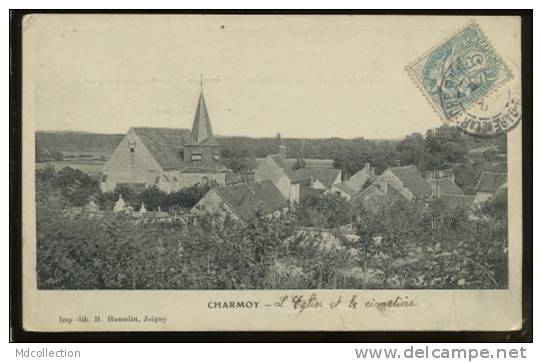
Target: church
(168, 158)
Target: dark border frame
(18, 334)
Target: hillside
(442, 148)
(70, 142)
(77, 141)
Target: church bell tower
(203, 147)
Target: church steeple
(202, 132)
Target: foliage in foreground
(76, 188)
(399, 247)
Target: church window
(196, 156)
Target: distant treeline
(77, 141)
(444, 147)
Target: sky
(301, 76)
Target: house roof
(309, 162)
(358, 180)
(446, 186)
(326, 176)
(232, 178)
(455, 201)
(346, 189)
(246, 199)
(165, 145)
(490, 181)
(439, 174)
(373, 189)
(202, 132)
(307, 191)
(280, 161)
(412, 180)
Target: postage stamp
(459, 76)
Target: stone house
(441, 187)
(407, 181)
(343, 190)
(488, 185)
(396, 183)
(440, 175)
(361, 179)
(243, 201)
(168, 158)
(459, 201)
(290, 182)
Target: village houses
(355, 184)
(276, 187)
(243, 201)
(408, 184)
(172, 159)
(292, 182)
(489, 184)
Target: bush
(326, 211)
(75, 186)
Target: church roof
(202, 132)
(165, 146)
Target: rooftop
(490, 181)
(247, 199)
(455, 201)
(346, 189)
(411, 179)
(446, 186)
(165, 145)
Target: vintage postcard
(271, 173)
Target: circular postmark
(470, 85)
(495, 114)
(491, 115)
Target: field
(92, 168)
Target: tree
(299, 163)
(327, 211)
(412, 150)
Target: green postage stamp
(459, 78)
